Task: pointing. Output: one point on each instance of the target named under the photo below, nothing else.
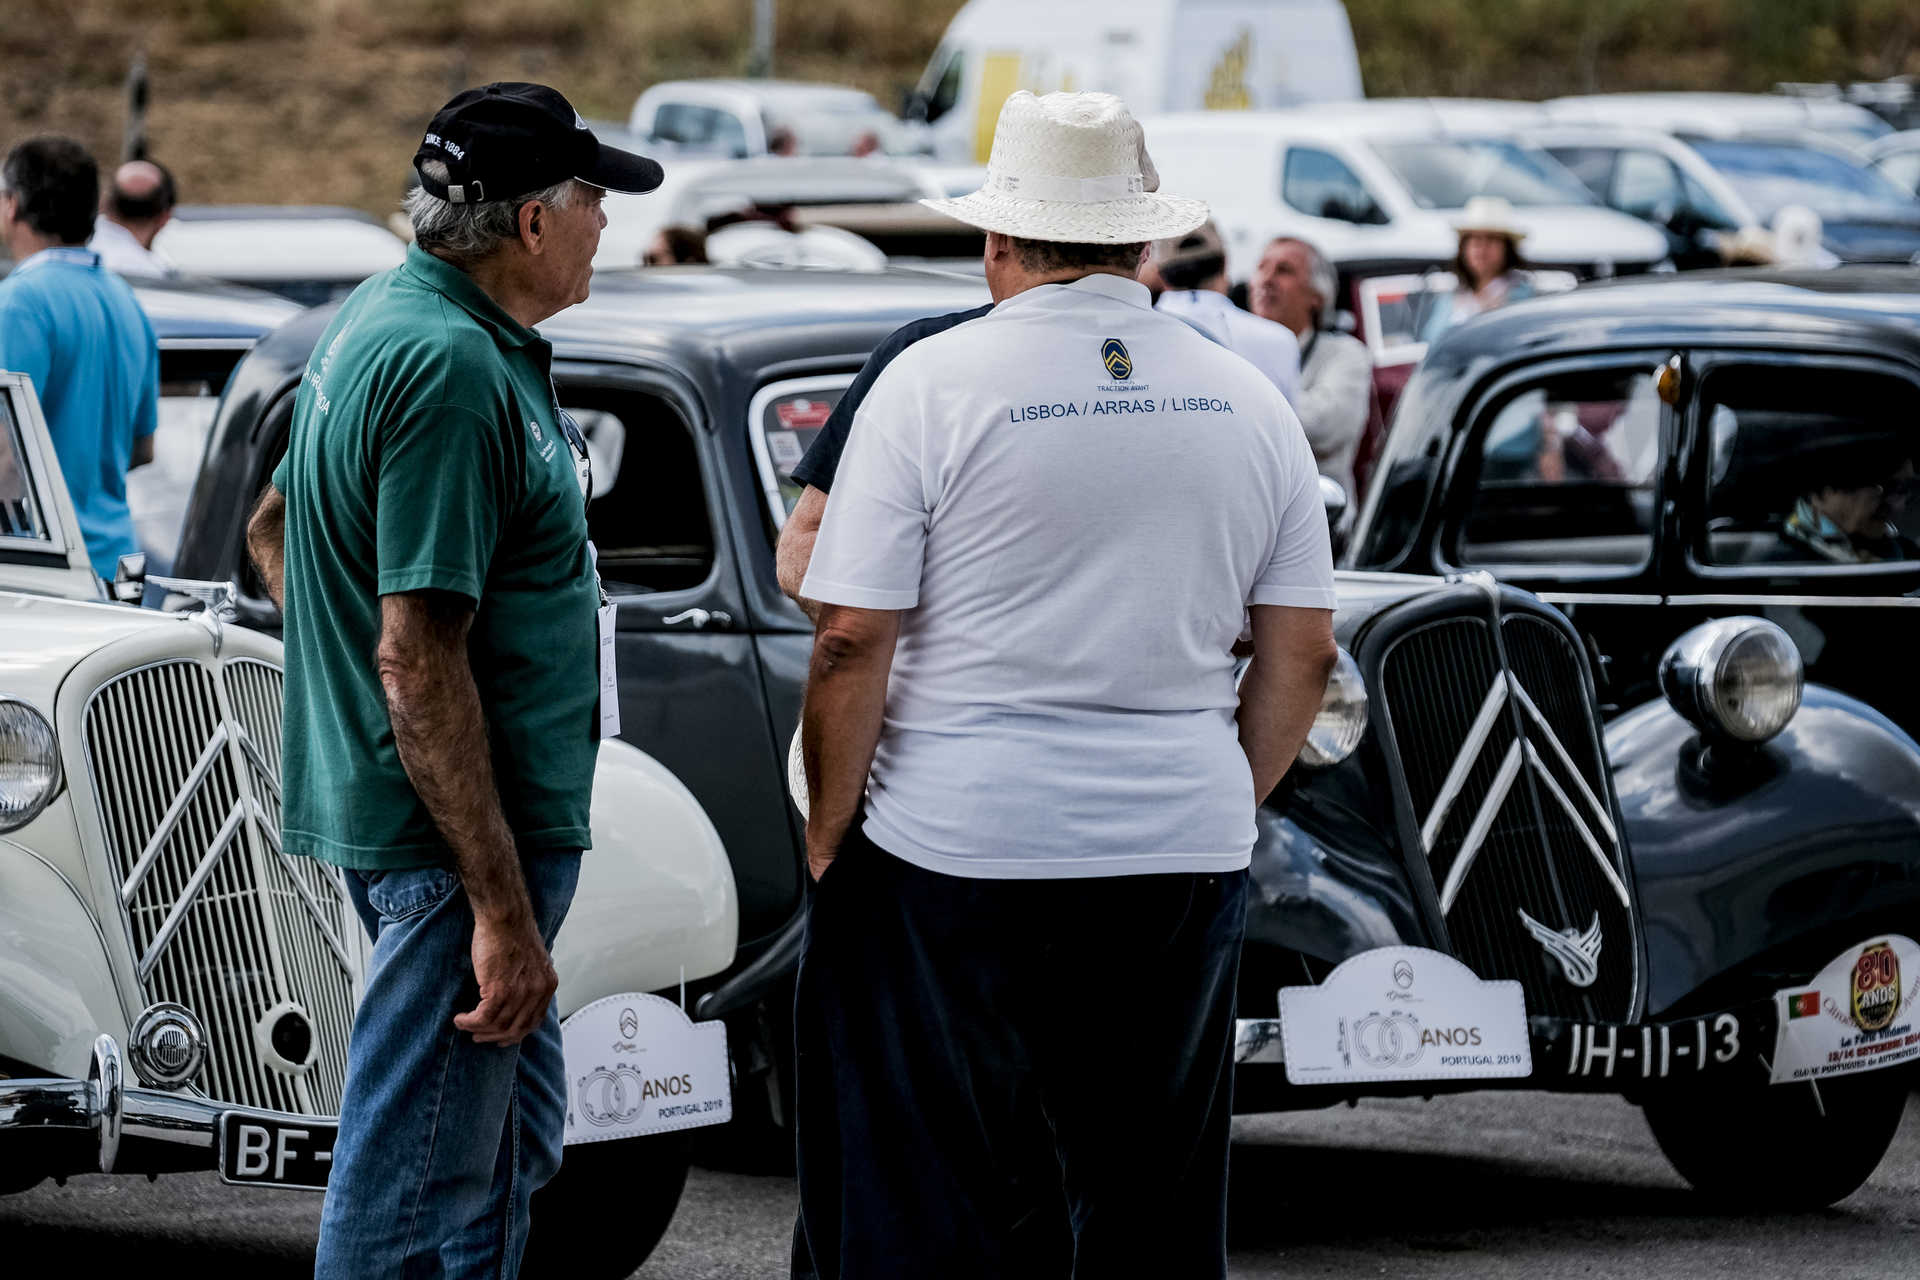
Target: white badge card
(609, 678)
(637, 1065)
(1404, 1013)
(1860, 1013)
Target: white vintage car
(176, 992)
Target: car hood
(52, 634)
(1872, 241)
(1574, 234)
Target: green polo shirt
(425, 457)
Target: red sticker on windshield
(800, 415)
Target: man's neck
(1033, 280)
(142, 232)
(23, 242)
(499, 278)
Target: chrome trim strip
(1599, 855)
(1482, 824)
(1566, 762)
(189, 790)
(241, 345)
(1595, 597)
(1801, 602)
(1469, 755)
(191, 893)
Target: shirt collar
(77, 255)
(1105, 284)
(459, 288)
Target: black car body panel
(1487, 783)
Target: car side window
(1320, 184)
(1810, 466)
(21, 518)
(1592, 165)
(947, 92)
(1646, 185)
(649, 518)
(1563, 472)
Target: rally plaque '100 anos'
(637, 1065)
(1404, 1013)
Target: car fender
(1768, 857)
(57, 990)
(656, 904)
(1324, 892)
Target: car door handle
(699, 618)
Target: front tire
(1781, 1148)
(606, 1209)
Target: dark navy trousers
(1014, 1078)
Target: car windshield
(1772, 175)
(1444, 173)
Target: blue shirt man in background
(76, 330)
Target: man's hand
(840, 722)
(441, 735)
(797, 536)
(1293, 654)
(142, 452)
(266, 542)
(516, 977)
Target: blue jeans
(442, 1141)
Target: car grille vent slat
(1523, 852)
(258, 928)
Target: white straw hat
(1489, 216)
(1072, 167)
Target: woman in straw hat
(1488, 266)
(1030, 779)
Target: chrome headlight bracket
(1738, 680)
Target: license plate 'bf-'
(263, 1151)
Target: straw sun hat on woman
(1072, 168)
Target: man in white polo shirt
(1041, 545)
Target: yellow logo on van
(1113, 354)
(1227, 84)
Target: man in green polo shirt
(426, 537)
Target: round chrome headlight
(1342, 720)
(1735, 678)
(29, 764)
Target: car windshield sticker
(1856, 1015)
(637, 1065)
(1404, 1013)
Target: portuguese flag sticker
(1803, 1004)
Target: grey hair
(465, 234)
(1321, 277)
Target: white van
(1159, 55)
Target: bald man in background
(137, 203)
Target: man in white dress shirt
(136, 206)
(1194, 269)
(1031, 779)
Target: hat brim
(612, 169)
(1127, 221)
(1506, 233)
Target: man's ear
(998, 246)
(533, 225)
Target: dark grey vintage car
(1477, 876)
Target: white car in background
(739, 118)
(1384, 181)
(176, 993)
(308, 253)
(1897, 157)
(1723, 115)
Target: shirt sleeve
(1299, 572)
(445, 486)
(873, 536)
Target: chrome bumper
(103, 1106)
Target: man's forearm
(266, 543)
(846, 700)
(795, 549)
(1282, 691)
(440, 733)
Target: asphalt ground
(1528, 1186)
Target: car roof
(1376, 117)
(1712, 113)
(207, 309)
(1844, 309)
(267, 242)
(793, 94)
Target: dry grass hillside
(310, 101)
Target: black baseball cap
(508, 138)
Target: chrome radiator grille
(1509, 802)
(185, 763)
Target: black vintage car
(1472, 879)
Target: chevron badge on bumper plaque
(1404, 1013)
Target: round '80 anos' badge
(1875, 997)
(1113, 354)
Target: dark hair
(1514, 261)
(56, 186)
(1857, 463)
(685, 244)
(1191, 273)
(1057, 255)
(128, 208)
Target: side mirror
(130, 578)
(1334, 499)
(912, 105)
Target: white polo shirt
(1072, 499)
(1271, 348)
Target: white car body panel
(1721, 115)
(1684, 157)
